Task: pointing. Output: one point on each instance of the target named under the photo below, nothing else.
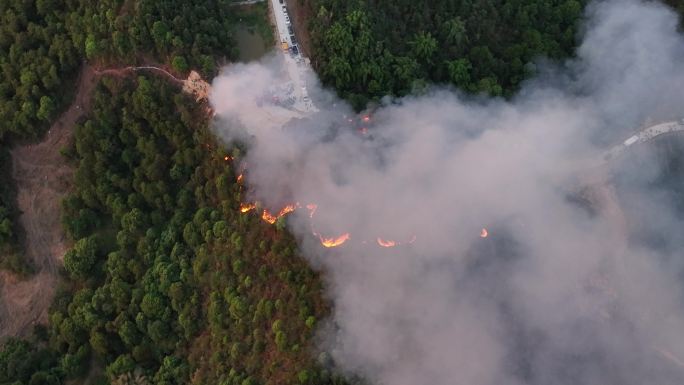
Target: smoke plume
(562, 291)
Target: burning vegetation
(328, 242)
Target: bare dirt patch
(301, 14)
(43, 178)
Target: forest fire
(334, 242)
(385, 243)
(268, 217)
(246, 207)
(484, 233)
(287, 209)
(239, 178)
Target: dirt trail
(42, 178)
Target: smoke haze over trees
(168, 282)
(559, 293)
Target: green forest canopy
(166, 282)
(367, 49)
(42, 45)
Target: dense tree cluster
(43, 42)
(369, 49)
(10, 255)
(26, 362)
(184, 33)
(167, 281)
(37, 57)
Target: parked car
(287, 19)
(293, 39)
(290, 30)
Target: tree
(454, 31)
(91, 47)
(281, 340)
(46, 109)
(80, 259)
(179, 64)
(459, 72)
(424, 46)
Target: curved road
(645, 135)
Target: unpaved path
(42, 178)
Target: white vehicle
(287, 19)
(631, 140)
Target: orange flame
(239, 178)
(385, 243)
(286, 210)
(226, 158)
(484, 233)
(245, 207)
(334, 242)
(366, 118)
(268, 217)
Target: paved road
(645, 135)
(297, 67)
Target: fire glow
(268, 217)
(334, 242)
(484, 233)
(386, 243)
(246, 207)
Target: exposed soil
(300, 13)
(43, 178)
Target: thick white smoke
(558, 293)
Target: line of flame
(312, 207)
(386, 243)
(334, 242)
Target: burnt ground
(42, 178)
